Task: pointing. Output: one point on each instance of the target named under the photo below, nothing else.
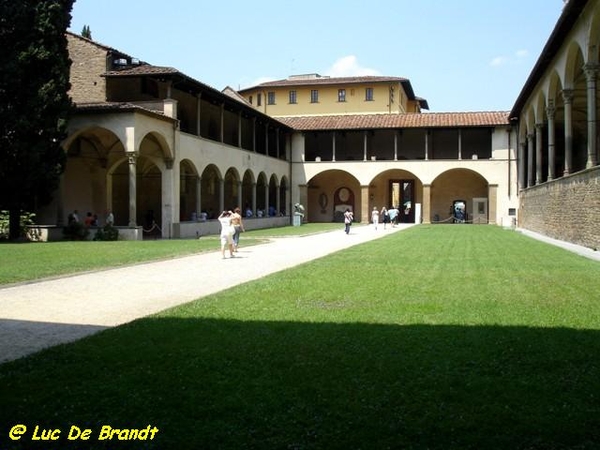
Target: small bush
(26, 220)
(107, 233)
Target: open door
(401, 195)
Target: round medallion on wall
(344, 194)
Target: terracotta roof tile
(143, 69)
(329, 80)
(382, 121)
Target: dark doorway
(401, 196)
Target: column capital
(550, 111)
(539, 126)
(131, 157)
(591, 71)
(568, 95)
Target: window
(258, 99)
(314, 96)
(293, 97)
(271, 98)
(341, 95)
(369, 94)
(250, 99)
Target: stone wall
(567, 209)
(89, 62)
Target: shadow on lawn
(279, 385)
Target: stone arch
(329, 193)
(211, 191)
(593, 55)
(92, 153)
(231, 188)
(284, 187)
(154, 145)
(262, 190)
(188, 191)
(273, 195)
(248, 182)
(577, 84)
(396, 188)
(456, 184)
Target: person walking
(375, 217)
(393, 212)
(238, 227)
(226, 233)
(385, 216)
(348, 218)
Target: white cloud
(522, 53)
(348, 66)
(499, 61)
(504, 60)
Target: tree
(86, 32)
(34, 102)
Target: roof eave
(569, 16)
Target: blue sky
(460, 55)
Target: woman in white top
(375, 216)
(226, 233)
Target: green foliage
(107, 233)
(34, 104)
(26, 219)
(86, 32)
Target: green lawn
(436, 337)
(35, 260)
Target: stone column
(591, 74)
(221, 194)
(460, 144)
(239, 195)
(198, 196)
(550, 111)
(364, 204)
(365, 145)
(333, 146)
(568, 100)
(277, 200)
(396, 145)
(303, 200)
(254, 199)
(538, 153)
(530, 159)
(426, 145)
(492, 203)
(266, 211)
(132, 158)
(521, 165)
(426, 203)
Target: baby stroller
(459, 211)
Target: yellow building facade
(314, 94)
